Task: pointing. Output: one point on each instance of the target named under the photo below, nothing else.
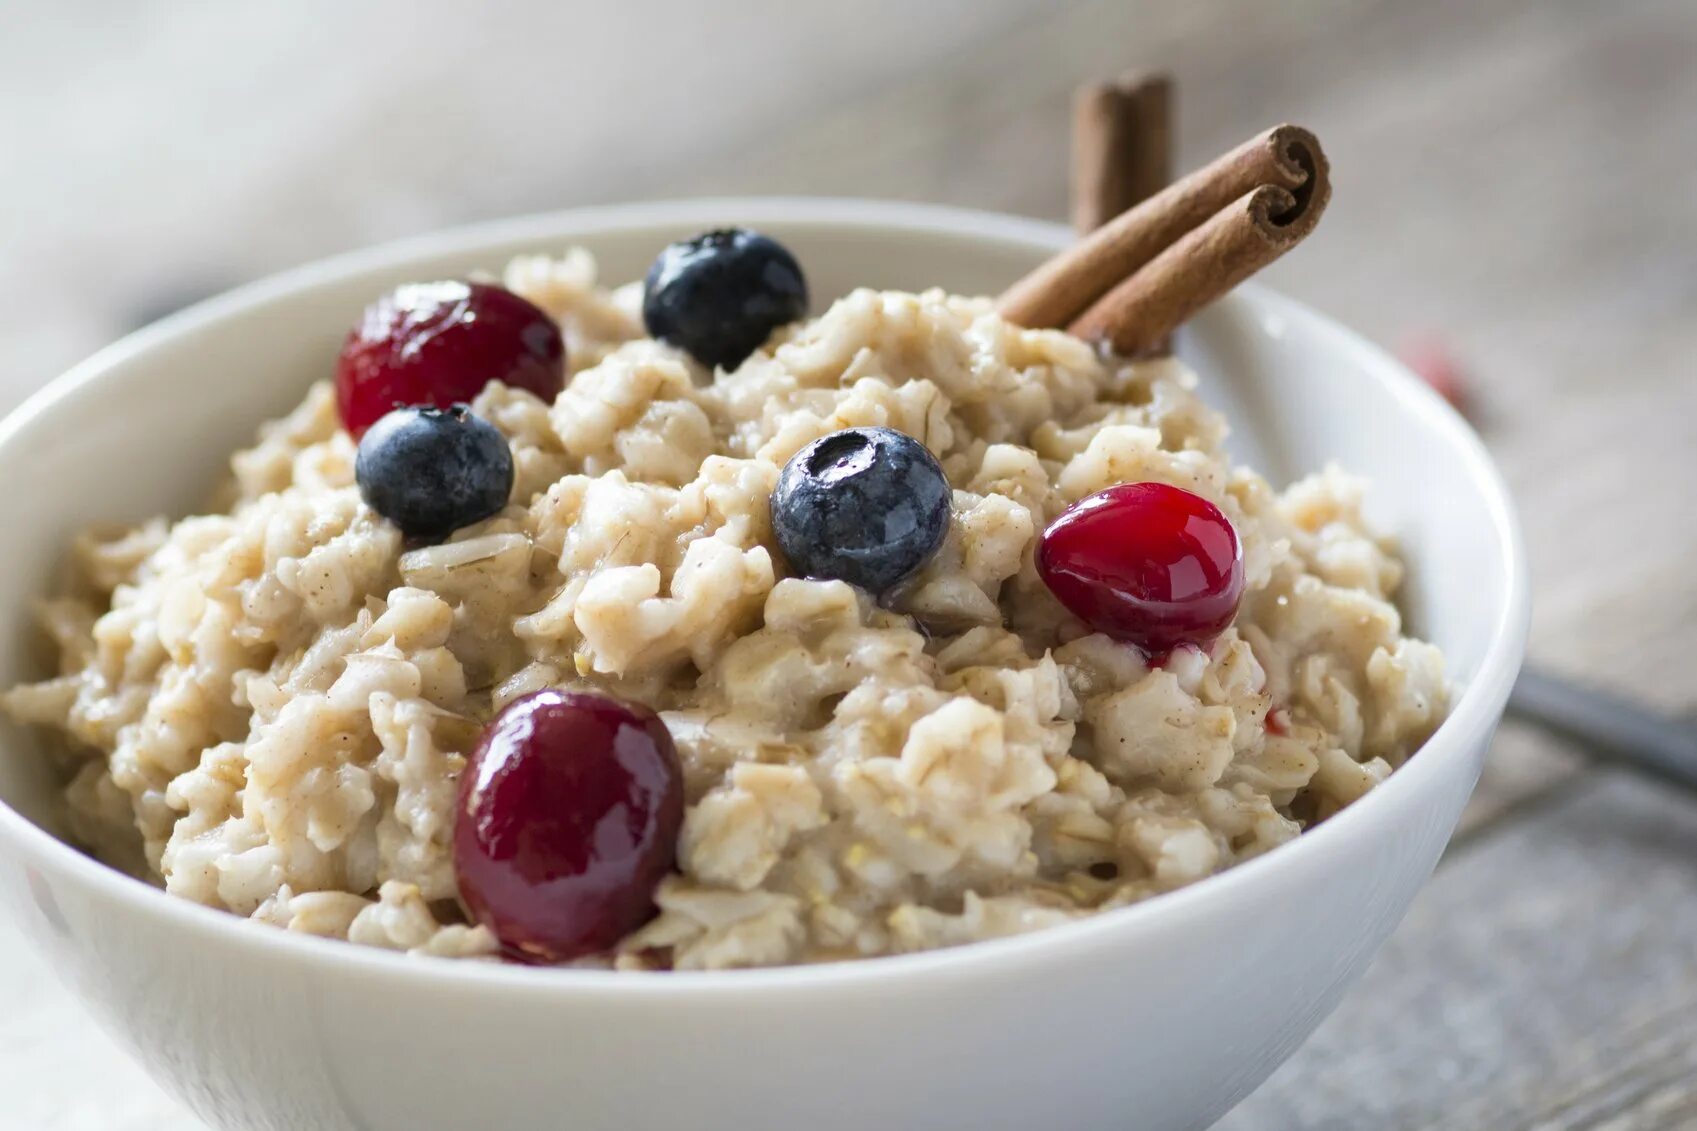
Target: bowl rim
(1471, 720)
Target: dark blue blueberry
(431, 471)
(720, 295)
(865, 505)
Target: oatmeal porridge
(869, 721)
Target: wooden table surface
(1517, 177)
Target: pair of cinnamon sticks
(1143, 272)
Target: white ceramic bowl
(1161, 1015)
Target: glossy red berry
(441, 343)
(1147, 563)
(568, 817)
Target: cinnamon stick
(1138, 315)
(1121, 146)
(1122, 152)
(1286, 157)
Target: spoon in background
(1612, 728)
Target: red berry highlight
(440, 344)
(568, 818)
(1146, 563)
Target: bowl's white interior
(146, 426)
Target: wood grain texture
(1515, 175)
(1543, 982)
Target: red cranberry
(1433, 362)
(440, 343)
(1146, 563)
(568, 818)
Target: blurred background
(1516, 201)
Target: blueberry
(865, 505)
(720, 295)
(431, 471)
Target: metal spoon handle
(1613, 727)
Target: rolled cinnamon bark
(1138, 315)
(1286, 157)
(1121, 146)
